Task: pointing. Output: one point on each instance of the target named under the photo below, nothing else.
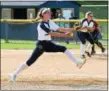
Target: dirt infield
(53, 72)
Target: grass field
(31, 45)
(27, 44)
(22, 44)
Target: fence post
(6, 32)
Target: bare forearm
(55, 34)
(99, 30)
(65, 30)
(91, 29)
(80, 29)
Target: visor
(45, 10)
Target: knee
(31, 60)
(29, 63)
(63, 49)
(83, 42)
(96, 41)
(92, 42)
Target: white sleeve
(53, 26)
(84, 24)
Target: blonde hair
(40, 13)
(88, 13)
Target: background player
(96, 35)
(85, 34)
(45, 30)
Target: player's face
(47, 15)
(90, 17)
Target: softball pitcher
(47, 28)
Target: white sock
(20, 68)
(82, 49)
(69, 54)
(89, 47)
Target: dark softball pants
(83, 36)
(96, 36)
(44, 46)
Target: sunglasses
(47, 12)
(90, 16)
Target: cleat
(103, 50)
(83, 56)
(93, 53)
(81, 63)
(88, 54)
(12, 77)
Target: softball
(70, 34)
